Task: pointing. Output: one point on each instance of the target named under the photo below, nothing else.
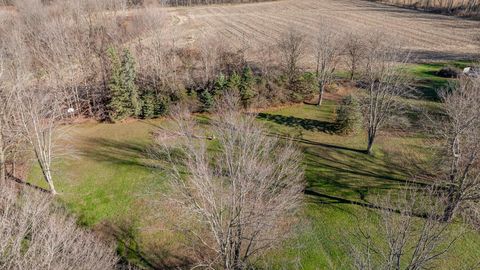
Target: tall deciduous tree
(407, 233)
(385, 84)
(327, 58)
(460, 149)
(355, 51)
(40, 113)
(36, 234)
(240, 198)
(292, 46)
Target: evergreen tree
(247, 84)
(349, 116)
(129, 76)
(148, 104)
(221, 84)
(207, 100)
(234, 82)
(118, 106)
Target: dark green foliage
(247, 85)
(149, 104)
(449, 72)
(118, 106)
(207, 101)
(306, 85)
(153, 105)
(234, 82)
(349, 116)
(124, 97)
(221, 84)
(129, 74)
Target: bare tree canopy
(38, 235)
(385, 83)
(292, 46)
(240, 197)
(460, 149)
(407, 233)
(327, 59)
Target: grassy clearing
(109, 185)
(428, 82)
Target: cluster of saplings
(130, 97)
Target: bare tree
(38, 235)
(239, 199)
(327, 56)
(13, 76)
(292, 46)
(407, 232)
(385, 83)
(460, 148)
(40, 113)
(354, 50)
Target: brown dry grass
(427, 36)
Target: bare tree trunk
(371, 140)
(47, 174)
(320, 98)
(3, 173)
(452, 203)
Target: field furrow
(425, 34)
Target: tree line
(468, 8)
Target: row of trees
(454, 7)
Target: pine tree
(247, 84)
(234, 82)
(118, 106)
(148, 104)
(129, 76)
(221, 84)
(207, 100)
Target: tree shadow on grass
(353, 176)
(320, 198)
(118, 152)
(131, 251)
(307, 124)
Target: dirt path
(428, 36)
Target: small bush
(449, 72)
(349, 117)
(305, 86)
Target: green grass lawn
(426, 80)
(109, 185)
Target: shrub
(305, 86)
(449, 72)
(348, 116)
